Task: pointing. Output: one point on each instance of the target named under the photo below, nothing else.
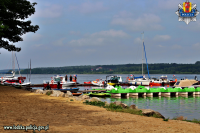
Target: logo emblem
(187, 12)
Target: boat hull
(61, 85)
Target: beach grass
(182, 118)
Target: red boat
(76, 94)
(54, 81)
(88, 82)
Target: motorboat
(187, 83)
(159, 82)
(113, 79)
(89, 82)
(98, 82)
(141, 80)
(55, 81)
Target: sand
(21, 107)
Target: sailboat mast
(142, 51)
(30, 71)
(27, 72)
(13, 62)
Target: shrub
(48, 93)
(165, 119)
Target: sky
(101, 32)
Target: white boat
(114, 80)
(159, 82)
(9, 77)
(98, 82)
(138, 80)
(58, 78)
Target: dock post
(116, 95)
(149, 94)
(197, 93)
(183, 93)
(133, 94)
(165, 94)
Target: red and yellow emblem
(187, 6)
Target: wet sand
(22, 107)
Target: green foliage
(48, 93)
(165, 119)
(102, 104)
(197, 63)
(112, 106)
(13, 25)
(159, 68)
(194, 121)
(181, 118)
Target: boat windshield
(163, 78)
(114, 78)
(177, 83)
(58, 79)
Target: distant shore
(63, 115)
(156, 68)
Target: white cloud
(192, 26)
(49, 11)
(160, 46)
(123, 14)
(176, 46)
(161, 38)
(88, 7)
(138, 40)
(196, 46)
(169, 4)
(32, 37)
(144, 22)
(59, 42)
(100, 38)
(74, 32)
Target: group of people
(58, 83)
(71, 79)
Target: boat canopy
(115, 78)
(58, 79)
(138, 77)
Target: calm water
(168, 106)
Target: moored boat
(98, 82)
(89, 82)
(113, 80)
(162, 81)
(58, 80)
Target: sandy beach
(21, 107)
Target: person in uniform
(48, 87)
(58, 85)
(70, 78)
(66, 78)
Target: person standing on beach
(48, 87)
(66, 78)
(70, 78)
(58, 85)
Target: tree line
(158, 68)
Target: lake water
(168, 106)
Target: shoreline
(23, 107)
